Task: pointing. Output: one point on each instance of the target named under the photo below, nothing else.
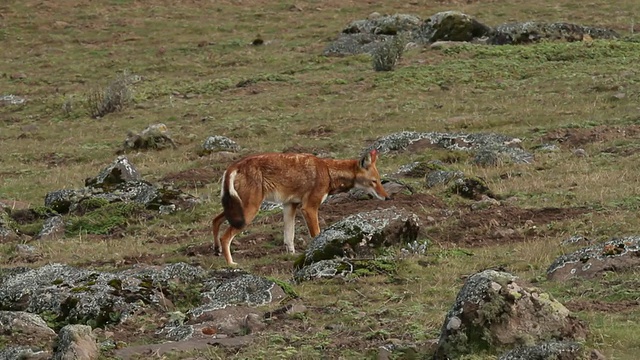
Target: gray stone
(617, 254)
(118, 172)
(492, 312)
(219, 143)
(76, 342)
(53, 228)
(344, 268)
(361, 234)
(553, 350)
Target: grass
(200, 76)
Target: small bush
(386, 56)
(114, 97)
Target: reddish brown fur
(295, 180)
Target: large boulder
(68, 295)
(506, 147)
(618, 254)
(493, 313)
(361, 234)
(452, 26)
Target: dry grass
(191, 55)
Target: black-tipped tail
(232, 204)
(233, 211)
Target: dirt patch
(576, 305)
(497, 225)
(577, 137)
(195, 178)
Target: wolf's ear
(368, 159)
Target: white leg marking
(289, 215)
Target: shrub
(114, 97)
(386, 56)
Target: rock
(505, 146)
(442, 177)
(218, 143)
(119, 172)
(26, 253)
(229, 298)
(25, 324)
(473, 188)
(617, 254)
(452, 26)
(366, 36)
(73, 295)
(344, 268)
(53, 228)
(438, 45)
(361, 234)
(11, 100)
(119, 182)
(76, 342)
(531, 32)
(494, 313)
(23, 353)
(155, 137)
(383, 25)
(352, 44)
(553, 350)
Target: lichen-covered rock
(218, 143)
(25, 324)
(229, 298)
(53, 228)
(76, 342)
(553, 350)
(344, 268)
(493, 313)
(366, 36)
(384, 25)
(118, 172)
(452, 26)
(617, 254)
(442, 177)
(119, 182)
(531, 32)
(155, 136)
(69, 295)
(502, 145)
(473, 188)
(361, 234)
(23, 353)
